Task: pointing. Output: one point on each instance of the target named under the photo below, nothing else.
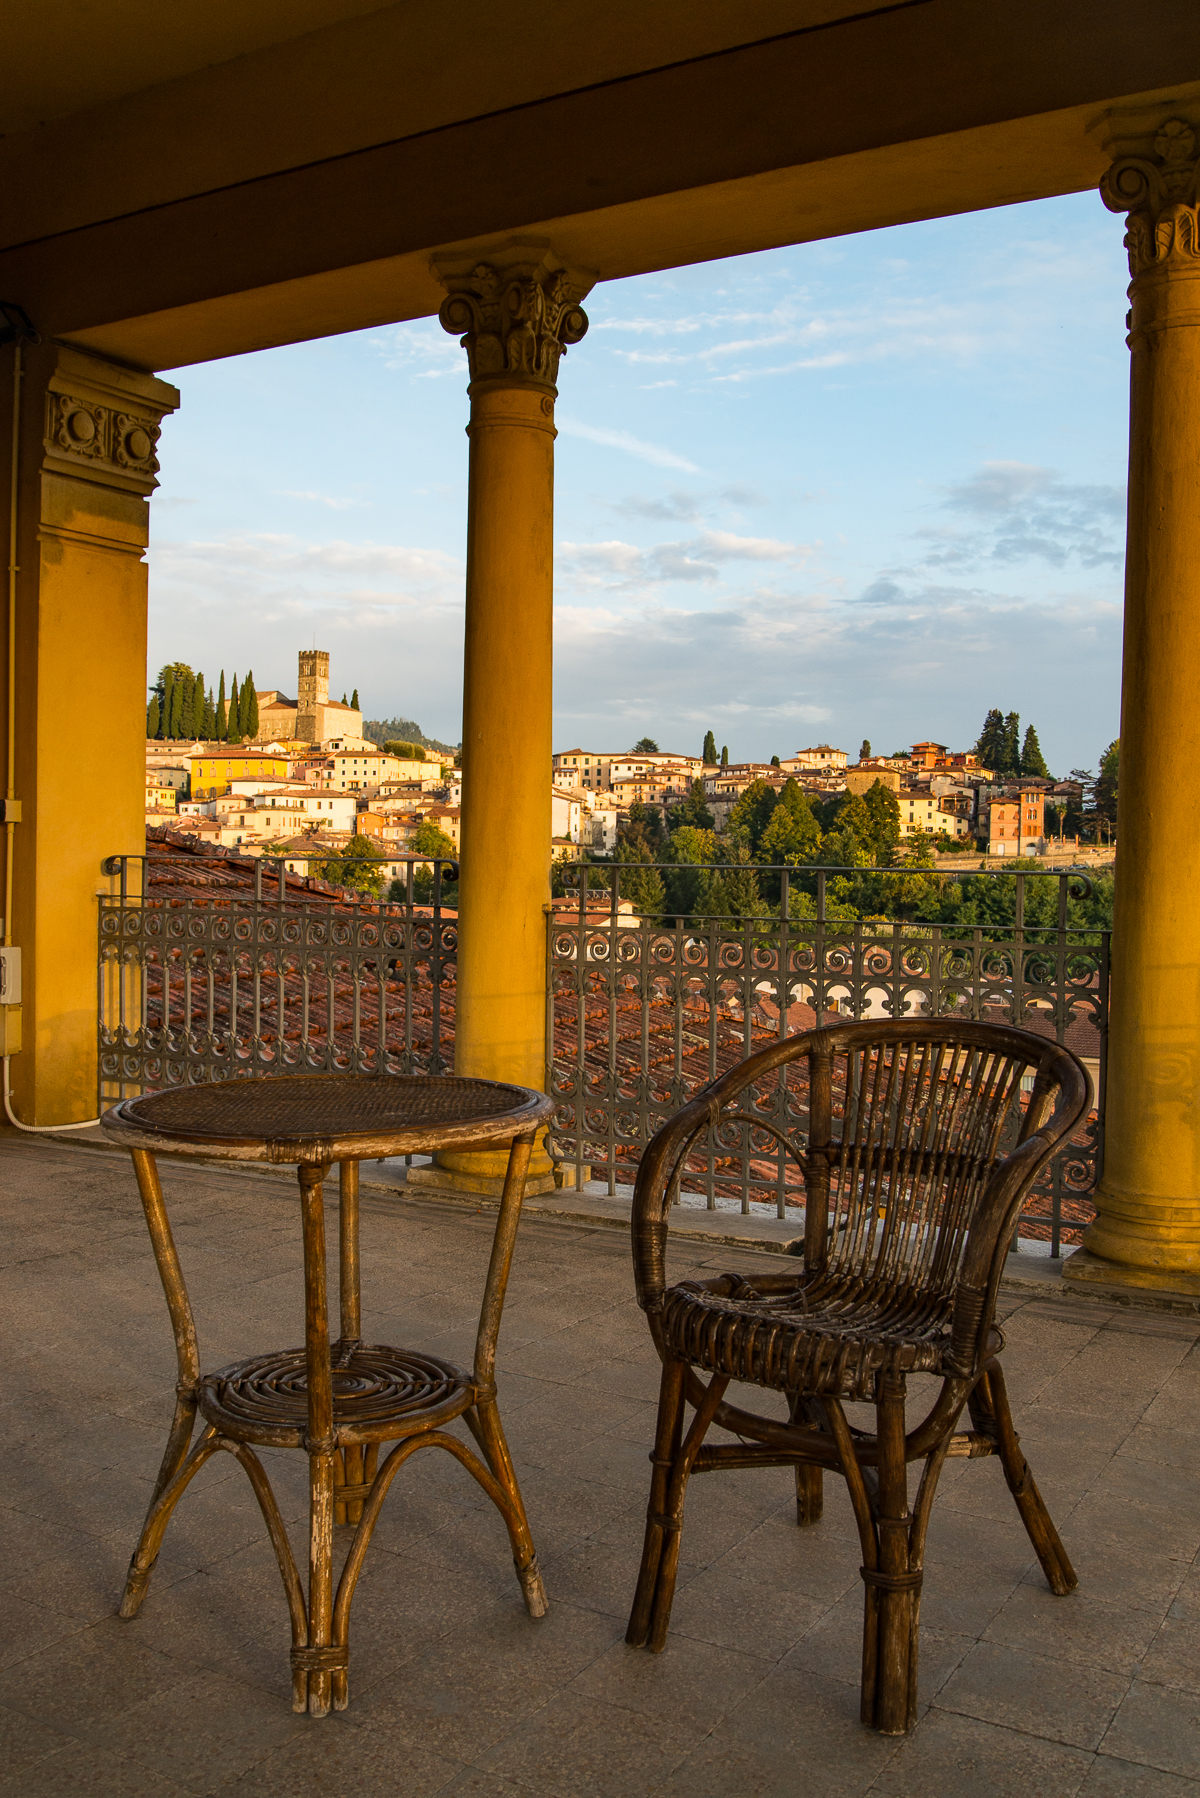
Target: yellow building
(213, 772)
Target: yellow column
(1147, 1233)
(516, 314)
(85, 468)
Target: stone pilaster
(87, 467)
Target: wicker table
(336, 1402)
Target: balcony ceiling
(187, 181)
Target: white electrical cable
(37, 1129)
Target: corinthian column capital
(515, 313)
(1154, 179)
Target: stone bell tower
(312, 694)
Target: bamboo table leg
(319, 1657)
(349, 1466)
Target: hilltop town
(297, 779)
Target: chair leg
(667, 1437)
(490, 1433)
(893, 1587)
(990, 1411)
(810, 1494)
(668, 1522)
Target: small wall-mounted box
(10, 811)
(10, 976)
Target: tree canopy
(709, 753)
(645, 746)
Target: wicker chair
(915, 1159)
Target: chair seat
(379, 1393)
(818, 1336)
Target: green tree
(750, 816)
(1104, 792)
(692, 810)
(638, 882)
(196, 728)
(152, 716)
(249, 718)
(709, 753)
(724, 755)
(792, 834)
(742, 895)
(167, 677)
(234, 732)
(428, 840)
(406, 752)
(864, 754)
(774, 761)
(1033, 762)
(851, 842)
(222, 730)
(1012, 743)
(354, 700)
(884, 809)
(644, 825)
(645, 746)
(991, 746)
(360, 867)
(208, 721)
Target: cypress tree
(152, 716)
(864, 754)
(354, 700)
(235, 712)
(249, 707)
(196, 727)
(1012, 743)
(991, 745)
(222, 729)
(1032, 760)
(172, 706)
(709, 752)
(208, 721)
(725, 756)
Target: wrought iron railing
(217, 966)
(642, 1012)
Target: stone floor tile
(79, 1685)
(1158, 1726)
(24, 1740)
(833, 1648)
(1076, 1628)
(1059, 1700)
(578, 1748)
(342, 1759)
(1151, 1447)
(690, 1680)
(1173, 1658)
(474, 1685)
(951, 1756)
(86, 1771)
(796, 1734)
(1111, 1778)
(30, 1628)
(172, 1733)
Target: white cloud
(626, 441)
(618, 564)
(322, 499)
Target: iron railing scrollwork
(643, 1011)
(219, 968)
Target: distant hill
(403, 730)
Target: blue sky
(868, 487)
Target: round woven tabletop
(328, 1117)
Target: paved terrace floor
(453, 1688)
